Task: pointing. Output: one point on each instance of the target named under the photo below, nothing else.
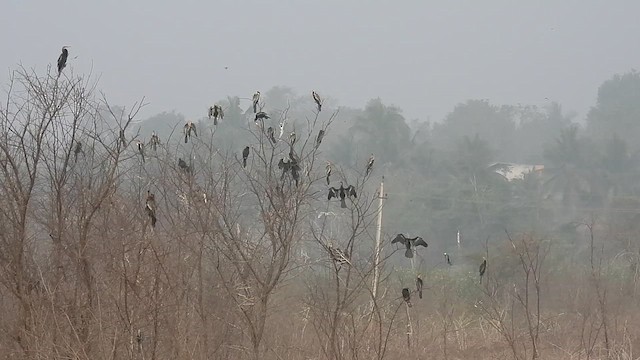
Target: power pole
(376, 258)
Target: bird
(141, 149)
(154, 141)
(482, 268)
(342, 192)
(406, 295)
(370, 164)
(338, 255)
(210, 114)
(62, 59)
(270, 134)
(245, 155)
(77, 151)
(217, 114)
(256, 98)
(319, 138)
(292, 138)
(261, 116)
(183, 165)
(419, 285)
(328, 167)
(150, 207)
(123, 140)
(448, 259)
(409, 243)
(188, 128)
(282, 123)
(317, 99)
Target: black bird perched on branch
(483, 268)
(256, 98)
(406, 295)
(409, 243)
(317, 99)
(319, 138)
(419, 285)
(188, 128)
(123, 139)
(150, 207)
(216, 113)
(183, 165)
(342, 192)
(141, 149)
(245, 155)
(77, 151)
(62, 59)
(448, 259)
(370, 165)
(154, 141)
(261, 116)
(328, 171)
(271, 134)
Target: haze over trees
(254, 262)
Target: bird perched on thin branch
(342, 192)
(419, 285)
(150, 207)
(282, 123)
(317, 99)
(409, 243)
(78, 150)
(292, 138)
(271, 134)
(154, 141)
(319, 138)
(369, 165)
(123, 139)
(256, 98)
(216, 113)
(406, 295)
(62, 59)
(447, 259)
(188, 128)
(183, 165)
(261, 115)
(338, 255)
(328, 170)
(141, 149)
(483, 268)
(245, 155)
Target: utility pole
(376, 260)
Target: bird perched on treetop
(150, 207)
(319, 138)
(261, 116)
(256, 98)
(406, 295)
(409, 243)
(342, 192)
(370, 165)
(271, 134)
(245, 155)
(123, 140)
(154, 141)
(328, 167)
(62, 59)
(141, 149)
(317, 99)
(188, 128)
(483, 268)
(419, 285)
(216, 113)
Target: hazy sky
(424, 56)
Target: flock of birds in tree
(290, 166)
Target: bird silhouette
(271, 134)
(406, 295)
(261, 116)
(419, 285)
(150, 208)
(154, 141)
(123, 139)
(216, 113)
(317, 99)
(482, 269)
(319, 138)
(62, 59)
(78, 150)
(370, 165)
(245, 155)
(448, 259)
(141, 149)
(188, 128)
(328, 171)
(342, 192)
(256, 98)
(409, 243)
(183, 165)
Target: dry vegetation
(238, 265)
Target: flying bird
(448, 259)
(150, 207)
(419, 286)
(188, 128)
(77, 151)
(256, 98)
(409, 243)
(483, 268)
(154, 141)
(342, 192)
(141, 149)
(319, 138)
(271, 134)
(62, 59)
(406, 295)
(245, 155)
(328, 167)
(370, 164)
(317, 99)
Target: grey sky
(424, 56)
